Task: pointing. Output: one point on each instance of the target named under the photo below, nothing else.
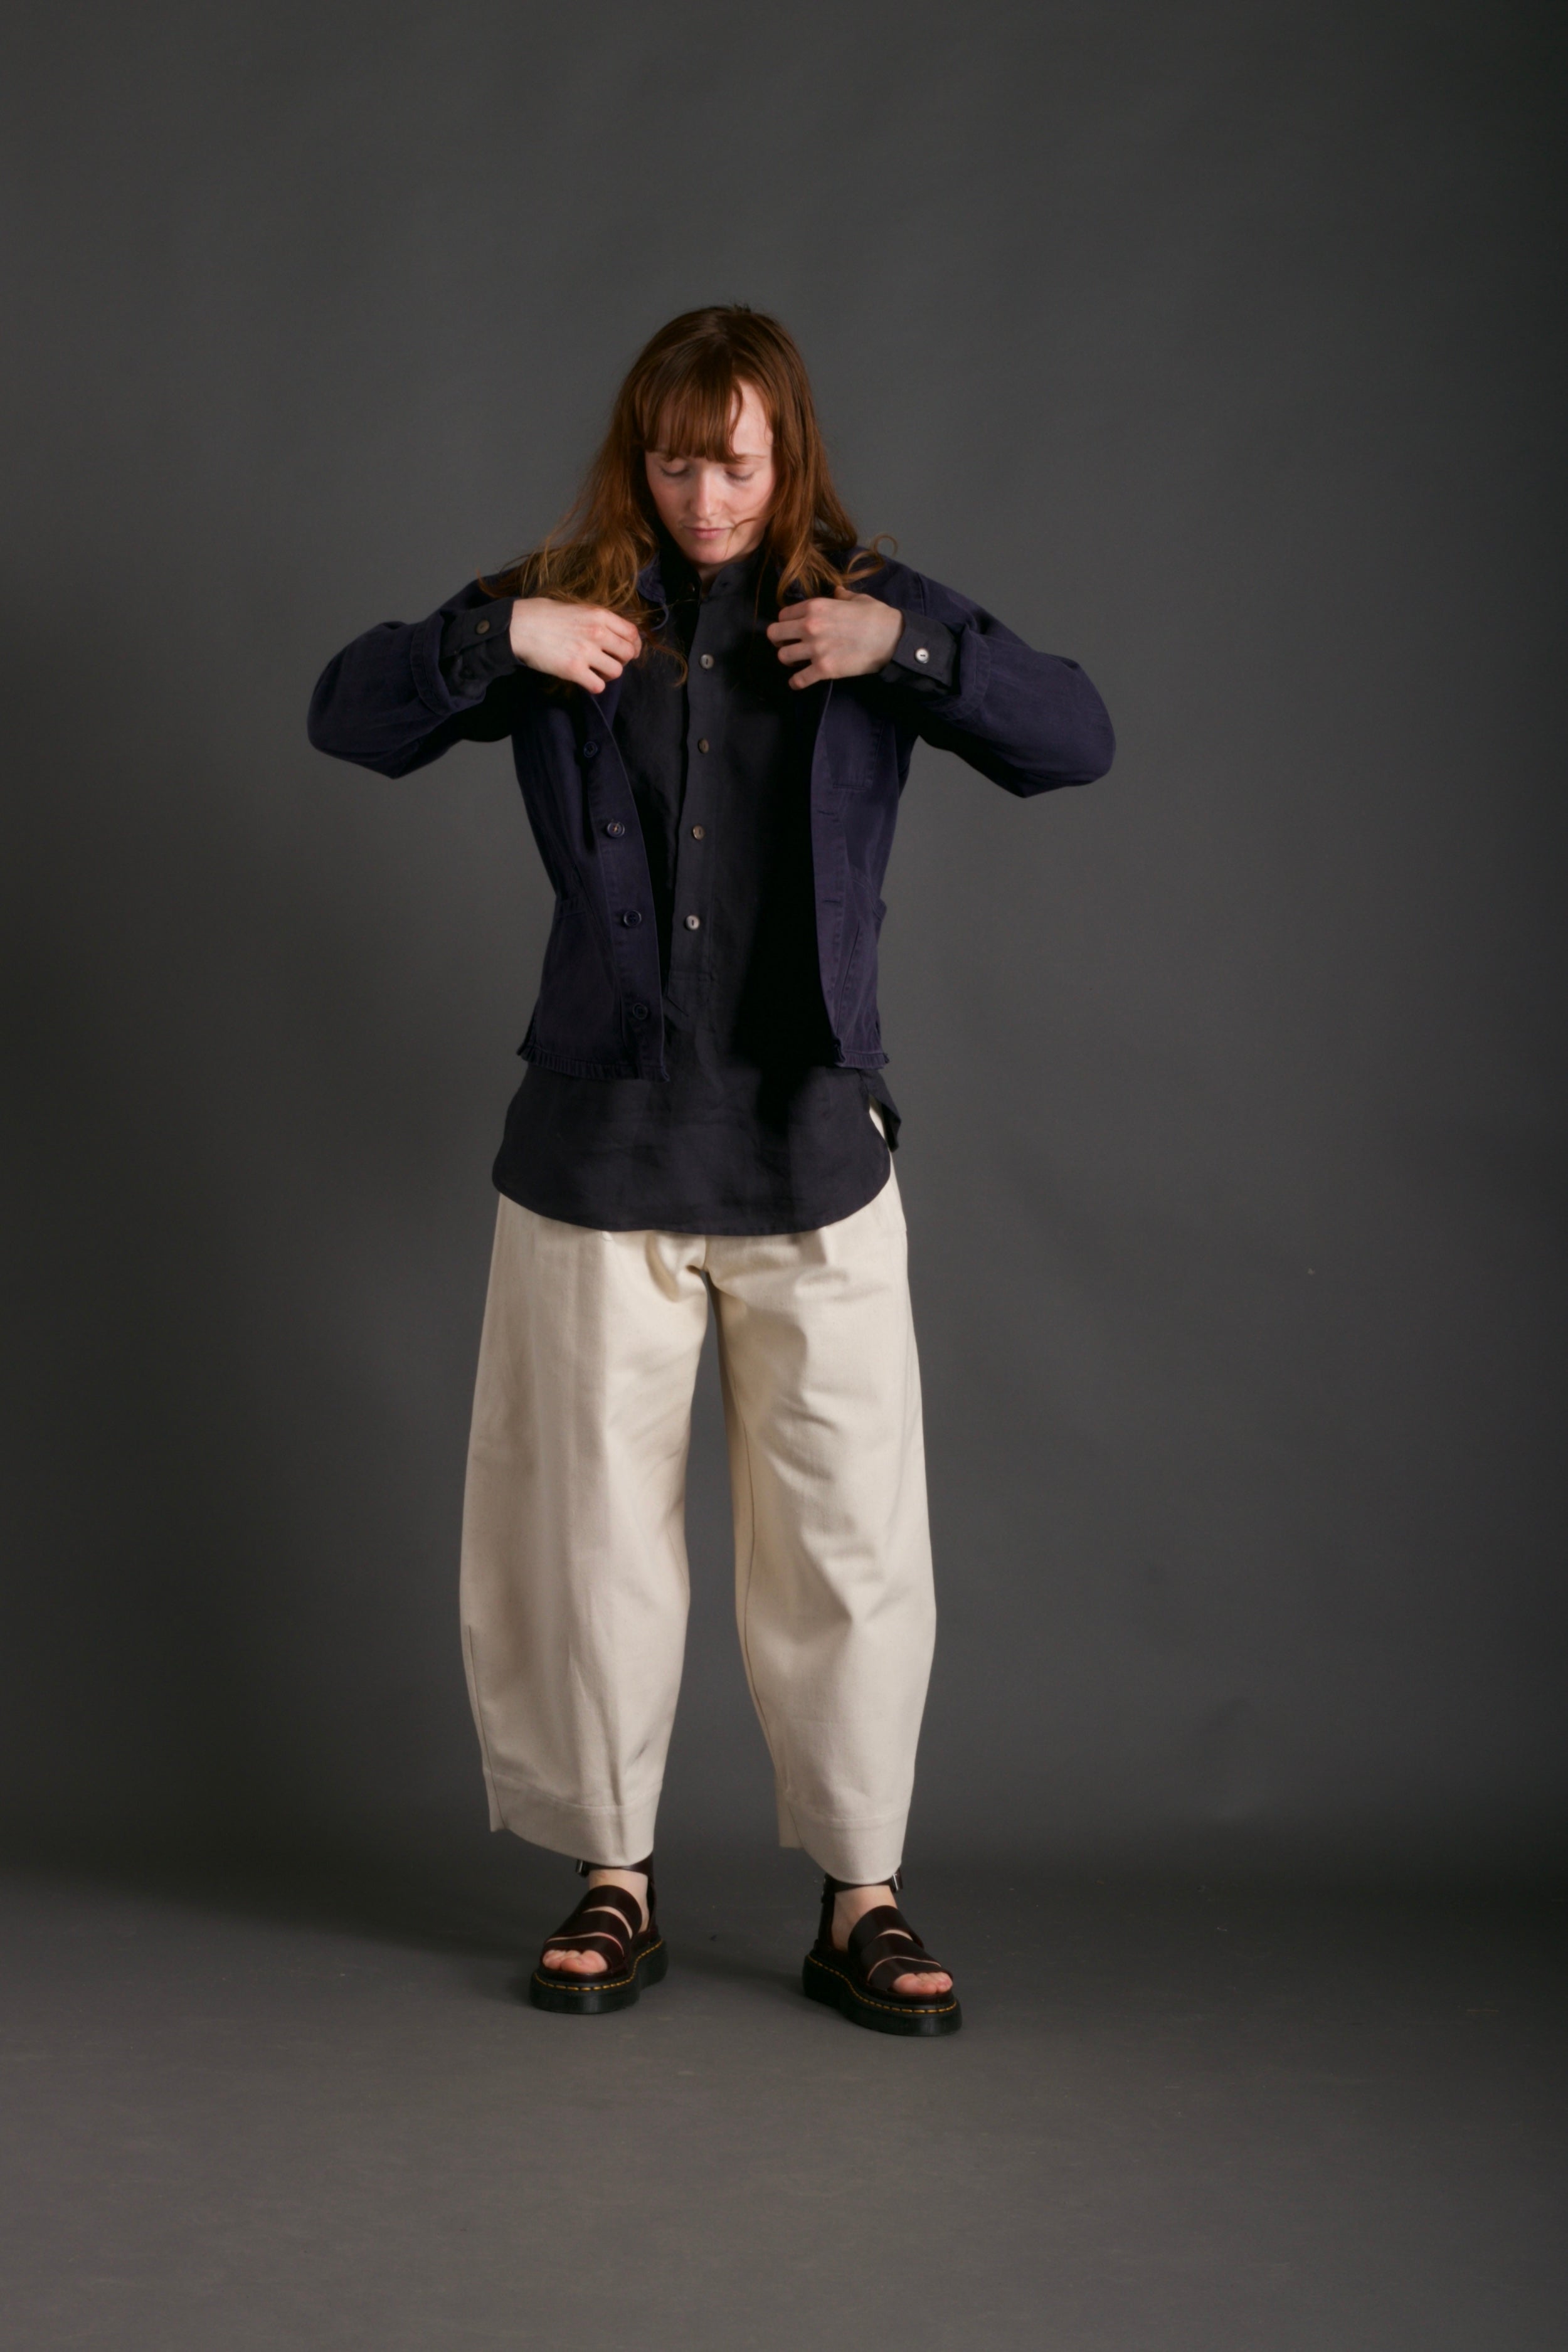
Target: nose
(704, 498)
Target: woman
(713, 694)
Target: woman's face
(716, 511)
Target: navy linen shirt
(754, 1130)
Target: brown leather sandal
(859, 1983)
(605, 1921)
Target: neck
(707, 573)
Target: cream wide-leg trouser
(573, 1569)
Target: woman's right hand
(581, 642)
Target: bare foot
(593, 1964)
(851, 1904)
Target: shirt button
(703, 743)
(694, 922)
(614, 828)
(921, 654)
(706, 660)
(590, 750)
(698, 831)
(631, 918)
(482, 629)
(639, 1012)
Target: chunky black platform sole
(592, 1996)
(819, 1981)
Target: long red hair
(681, 396)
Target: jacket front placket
(829, 863)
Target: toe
(574, 1964)
(926, 1987)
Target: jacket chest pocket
(862, 749)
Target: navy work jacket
(1028, 720)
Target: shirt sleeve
(923, 659)
(476, 648)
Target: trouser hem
(863, 1854)
(612, 1837)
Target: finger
(597, 625)
(784, 633)
(809, 677)
(794, 653)
(604, 664)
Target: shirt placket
(691, 929)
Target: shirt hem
(762, 1223)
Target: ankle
(850, 1905)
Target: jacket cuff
(476, 649)
(925, 659)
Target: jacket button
(703, 743)
(614, 828)
(921, 654)
(481, 629)
(698, 831)
(694, 922)
(706, 660)
(631, 918)
(639, 1011)
(590, 750)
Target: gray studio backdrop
(1208, 344)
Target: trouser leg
(834, 1594)
(574, 1587)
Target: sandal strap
(612, 1948)
(846, 1886)
(881, 1946)
(617, 1899)
(576, 1934)
(893, 1966)
(886, 1920)
(832, 1887)
(901, 1952)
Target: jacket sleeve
(388, 701)
(1029, 722)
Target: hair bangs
(688, 407)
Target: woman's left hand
(841, 635)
